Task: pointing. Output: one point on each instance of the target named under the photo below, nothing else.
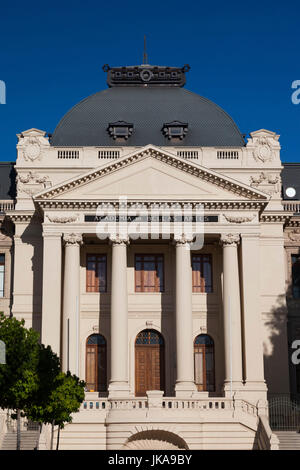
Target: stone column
(252, 322)
(51, 301)
(118, 386)
(232, 315)
(185, 384)
(71, 303)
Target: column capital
(119, 239)
(183, 239)
(72, 239)
(230, 239)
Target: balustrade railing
(172, 403)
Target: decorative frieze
(235, 219)
(56, 219)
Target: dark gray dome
(148, 109)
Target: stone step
(28, 440)
(288, 440)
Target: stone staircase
(28, 440)
(288, 440)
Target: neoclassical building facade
(180, 344)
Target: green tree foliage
(19, 376)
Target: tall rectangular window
(96, 277)
(2, 270)
(149, 273)
(202, 273)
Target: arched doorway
(204, 363)
(96, 364)
(149, 362)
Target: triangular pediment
(152, 174)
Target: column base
(233, 388)
(185, 389)
(118, 390)
(254, 391)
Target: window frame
(97, 291)
(159, 290)
(202, 286)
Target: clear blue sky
(243, 55)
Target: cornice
(193, 169)
(23, 216)
(94, 204)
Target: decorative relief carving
(32, 142)
(62, 219)
(31, 183)
(264, 144)
(119, 239)
(183, 239)
(294, 235)
(235, 219)
(32, 149)
(266, 182)
(72, 239)
(230, 239)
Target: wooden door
(149, 363)
(204, 363)
(96, 364)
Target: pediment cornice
(234, 187)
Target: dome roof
(147, 109)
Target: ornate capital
(230, 239)
(119, 239)
(183, 239)
(72, 239)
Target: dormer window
(175, 130)
(120, 130)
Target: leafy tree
(66, 393)
(48, 369)
(19, 376)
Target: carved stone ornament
(119, 239)
(263, 150)
(266, 182)
(32, 149)
(294, 235)
(183, 239)
(234, 219)
(72, 239)
(56, 219)
(230, 239)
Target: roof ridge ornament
(146, 75)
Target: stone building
(180, 344)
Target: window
(296, 276)
(202, 273)
(96, 278)
(96, 364)
(204, 363)
(149, 273)
(2, 269)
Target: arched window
(149, 362)
(96, 364)
(204, 362)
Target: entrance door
(96, 363)
(149, 362)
